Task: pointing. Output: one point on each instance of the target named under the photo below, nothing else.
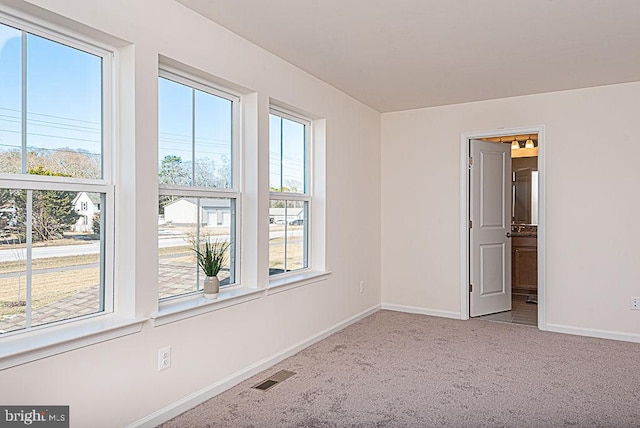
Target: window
(290, 198)
(55, 140)
(198, 190)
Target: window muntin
(57, 264)
(51, 107)
(290, 199)
(197, 194)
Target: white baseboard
(602, 334)
(422, 311)
(174, 409)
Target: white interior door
(490, 210)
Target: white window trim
(174, 305)
(298, 278)
(26, 345)
(187, 79)
(276, 280)
(193, 304)
(48, 340)
(54, 32)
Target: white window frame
(102, 185)
(29, 344)
(72, 40)
(307, 196)
(233, 192)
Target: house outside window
(55, 145)
(290, 195)
(198, 190)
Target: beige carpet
(402, 370)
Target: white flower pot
(211, 287)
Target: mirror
(524, 208)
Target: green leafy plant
(212, 256)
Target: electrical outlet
(361, 286)
(164, 358)
(634, 303)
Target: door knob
(508, 235)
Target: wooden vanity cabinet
(524, 263)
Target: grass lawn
(5, 243)
(295, 253)
(49, 263)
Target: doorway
(486, 252)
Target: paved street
(93, 247)
(53, 251)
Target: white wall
(592, 177)
(116, 383)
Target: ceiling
(403, 54)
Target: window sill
(197, 304)
(278, 285)
(46, 341)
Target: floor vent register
(281, 376)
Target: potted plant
(211, 257)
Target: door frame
(465, 212)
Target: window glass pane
(66, 272)
(213, 141)
(296, 235)
(293, 165)
(286, 155)
(277, 236)
(195, 137)
(10, 100)
(288, 236)
(275, 153)
(184, 223)
(217, 224)
(13, 267)
(175, 131)
(64, 109)
(67, 279)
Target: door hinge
(470, 224)
(470, 288)
(470, 162)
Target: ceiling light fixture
(529, 143)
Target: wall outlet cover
(164, 358)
